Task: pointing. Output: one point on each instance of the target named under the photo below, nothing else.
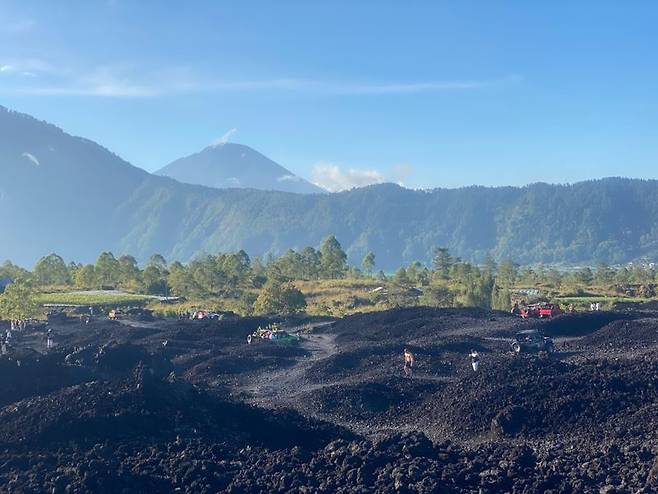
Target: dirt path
(280, 388)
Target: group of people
(410, 361)
(15, 328)
(18, 324)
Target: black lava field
(170, 406)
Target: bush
(280, 298)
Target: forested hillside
(68, 195)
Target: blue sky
(430, 94)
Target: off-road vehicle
(541, 311)
(532, 340)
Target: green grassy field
(92, 298)
(324, 297)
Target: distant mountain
(228, 165)
(65, 194)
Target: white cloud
(102, 90)
(225, 138)
(289, 178)
(29, 67)
(32, 158)
(332, 178)
(349, 88)
(11, 69)
(401, 173)
(126, 80)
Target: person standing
(49, 338)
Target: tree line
(267, 285)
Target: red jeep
(541, 311)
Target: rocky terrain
(189, 406)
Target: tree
(442, 261)
(13, 272)
(584, 276)
(490, 265)
(311, 263)
(438, 296)
(154, 281)
(333, 260)
(180, 280)
(604, 274)
(154, 276)
(85, 277)
(478, 291)
(237, 268)
(413, 272)
(507, 273)
(623, 276)
(209, 278)
(129, 272)
(424, 277)
(158, 261)
(108, 270)
(289, 266)
(368, 263)
(18, 302)
(501, 299)
(401, 277)
(52, 270)
(554, 277)
(280, 298)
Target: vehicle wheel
(516, 348)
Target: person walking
(409, 361)
(475, 360)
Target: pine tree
(333, 260)
(368, 263)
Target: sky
(423, 93)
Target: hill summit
(228, 165)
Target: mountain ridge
(79, 199)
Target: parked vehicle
(532, 341)
(273, 333)
(543, 310)
(206, 314)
